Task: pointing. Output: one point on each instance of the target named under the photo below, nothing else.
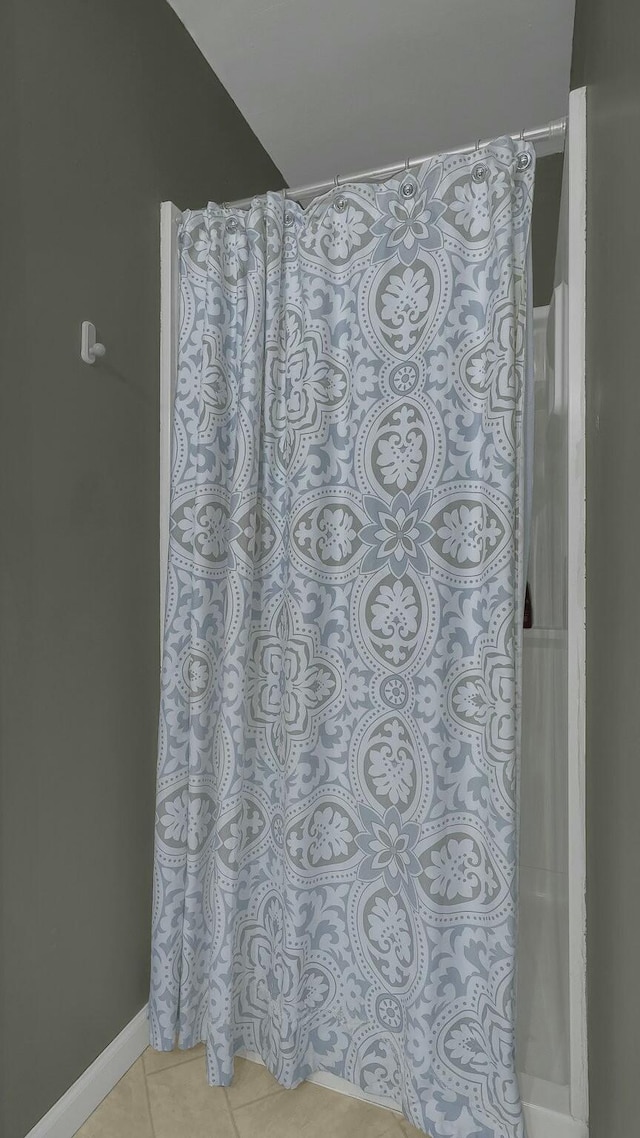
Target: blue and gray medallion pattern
(336, 814)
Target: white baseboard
(68, 1114)
(73, 1109)
(333, 1083)
(539, 1123)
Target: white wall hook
(90, 349)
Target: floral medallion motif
(292, 684)
(471, 209)
(404, 378)
(325, 534)
(396, 618)
(389, 766)
(390, 946)
(336, 808)
(406, 304)
(340, 237)
(304, 396)
(490, 376)
(287, 993)
(379, 1058)
(196, 673)
(457, 870)
(321, 838)
(402, 447)
(394, 691)
(216, 393)
(202, 531)
(397, 534)
(409, 223)
(390, 1012)
(239, 830)
(388, 843)
(185, 819)
(471, 528)
(480, 693)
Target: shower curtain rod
(555, 129)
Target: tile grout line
(397, 1121)
(259, 1098)
(231, 1114)
(146, 1091)
(174, 1063)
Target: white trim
(86, 1094)
(169, 296)
(539, 1123)
(576, 595)
(334, 1083)
(69, 1113)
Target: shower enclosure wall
(543, 948)
(551, 1033)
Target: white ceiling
(334, 86)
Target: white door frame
(574, 357)
(540, 1123)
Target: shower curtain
(337, 790)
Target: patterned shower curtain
(336, 813)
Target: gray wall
(607, 58)
(112, 110)
(544, 225)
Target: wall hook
(90, 349)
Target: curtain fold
(335, 864)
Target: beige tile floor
(165, 1095)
